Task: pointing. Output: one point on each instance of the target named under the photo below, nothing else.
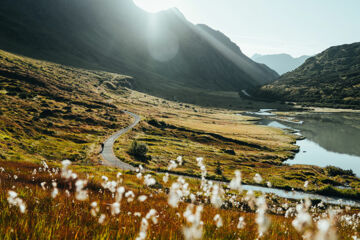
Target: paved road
(108, 151)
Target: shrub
(218, 169)
(329, 190)
(335, 171)
(138, 149)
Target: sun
(154, 6)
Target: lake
(330, 138)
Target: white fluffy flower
(149, 180)
(142, 198)
(130, 196)
(179, 159)
(241, 224)
(258, 178)
(143, 229)
(172, 165)
(55, 191)
(194, 230)
(262, 220)
(303, 219)
(101, 218)
(217, 195)
(115, 208)
(178, 189)
(218, 221)
(94, 209)
(235, 183)
(166, 178)
(14, 200)
(81, 194)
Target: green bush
(335, 171)
(138, 149)
(218, 169)
(336, 192)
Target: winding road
(111, 160)
(108, 150)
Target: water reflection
(331, 139)
(336, 132)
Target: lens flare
(163, 45)
(154, 6)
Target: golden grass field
(64, 217)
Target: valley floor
(227, 141)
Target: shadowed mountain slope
(167, 55)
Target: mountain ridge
(166, 54)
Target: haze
(279, 26)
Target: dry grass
(66, 218)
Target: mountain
(281, 63)
(164, 53)
(331, 78)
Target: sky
(296, 27)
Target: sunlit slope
(167, 55)
(52, 112)
(331, 78)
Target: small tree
(138, 149)
(218, 169)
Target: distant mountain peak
(256, 55)
(281, 63)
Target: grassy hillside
(48, 111)
(331, 78)
(167, 55)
